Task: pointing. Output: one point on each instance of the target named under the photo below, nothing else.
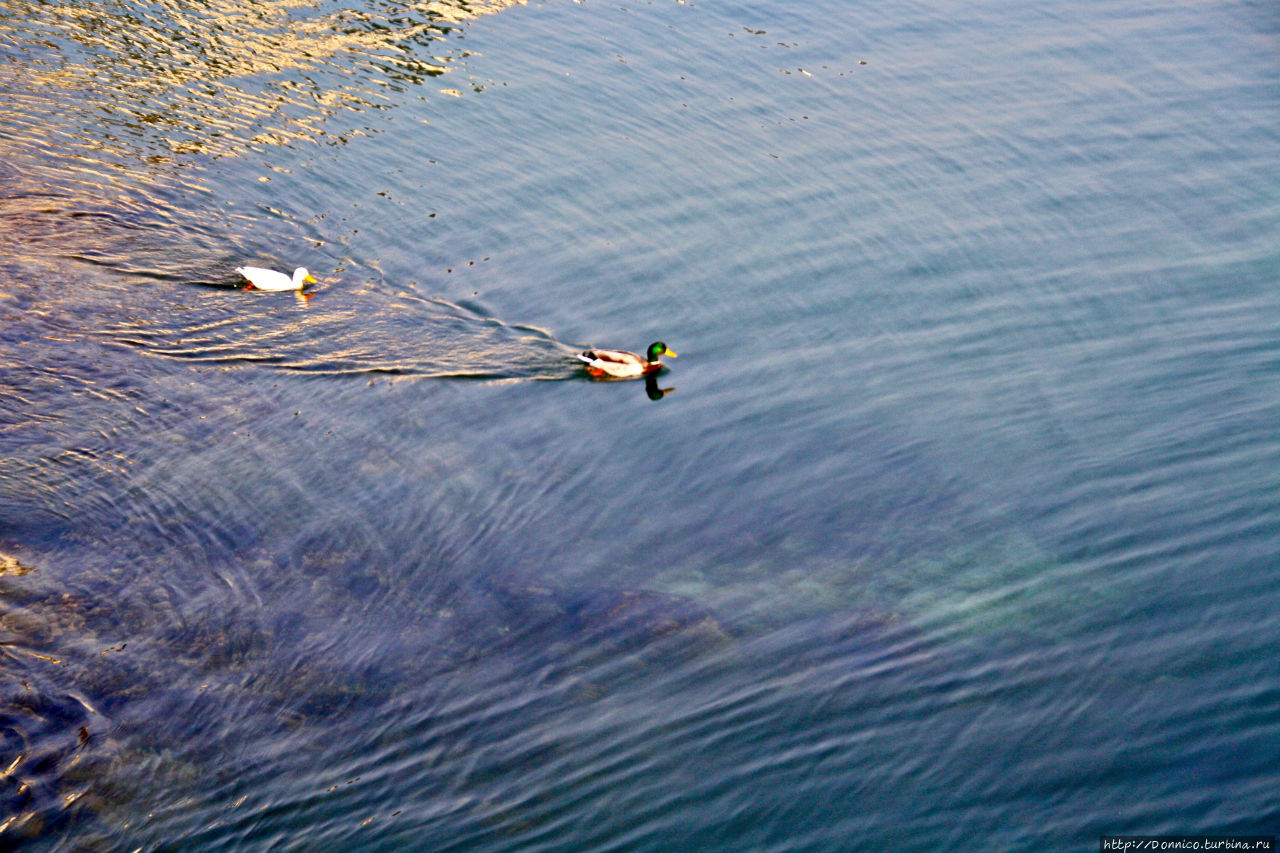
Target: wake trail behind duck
(349, 333)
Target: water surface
(957, 526)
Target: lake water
(958, 527)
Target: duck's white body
(620, 364)
(264, 279)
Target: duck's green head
(657, 350)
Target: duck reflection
(652, 390)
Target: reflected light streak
(217, 79)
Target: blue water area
(954, 525)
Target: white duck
(264, 279)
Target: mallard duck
(620, 364)
(263, 279)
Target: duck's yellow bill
(311, 280)
(671, 353)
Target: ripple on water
(222, 79)
(962, 519)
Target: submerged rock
(598, 637)
(54, 745)
(184, 685)
(656, 626)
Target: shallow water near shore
(956, 526)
